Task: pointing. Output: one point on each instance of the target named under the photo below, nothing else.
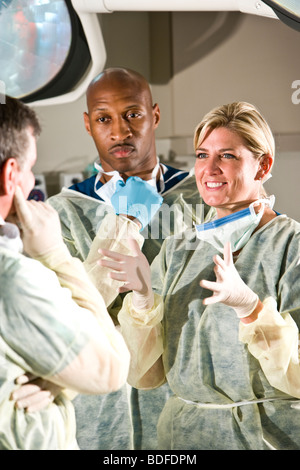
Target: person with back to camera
(231, 358)
(122, 120)
(54, 323)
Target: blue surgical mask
(107, 190)
(236, 228)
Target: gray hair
(16, 119)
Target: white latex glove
(39, 225)
(112, 235)
(229, 288)
(34, 393)
(134, 271)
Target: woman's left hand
(229, 288)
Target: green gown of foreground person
(220, 321)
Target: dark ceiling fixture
(288, 11)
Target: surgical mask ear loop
(255, 204)
(267, 201)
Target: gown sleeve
(273, 339)
(142, 331)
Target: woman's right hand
(134, 271)
(229, 288)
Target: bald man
(122, 119)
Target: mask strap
(266, 201)
(158, 170)
(102, 172)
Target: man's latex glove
(229, 288)
(34, 393)
(112, 235)
(39, 225)
(134, 271)
(136, 198)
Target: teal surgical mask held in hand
(236, 227)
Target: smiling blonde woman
(230, 358)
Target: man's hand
(34, 393)
(39, 224)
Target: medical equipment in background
(64, 38)
(67, 179)
(39, 192)
(288, 11)
(44, 52)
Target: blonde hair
(244, 119)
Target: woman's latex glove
(134, 271)
(136, 198)
(39, 225)
(229, 288)
(34, 393)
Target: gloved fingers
(41, 210)
(35, 386)
(36, 395)
(220, 263)
(35, 402)
(220, 273)
(118, 276)
(117, 259)
(128, 284)
(25, 391)
(111, 264)
(228, 254)
(119, 271)
(214, 286)
(134, 246)
(29, 212)
(132, 270)
(114, 255)
(22, 209)
(213, 299)
(25, 378)
(40, 404)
